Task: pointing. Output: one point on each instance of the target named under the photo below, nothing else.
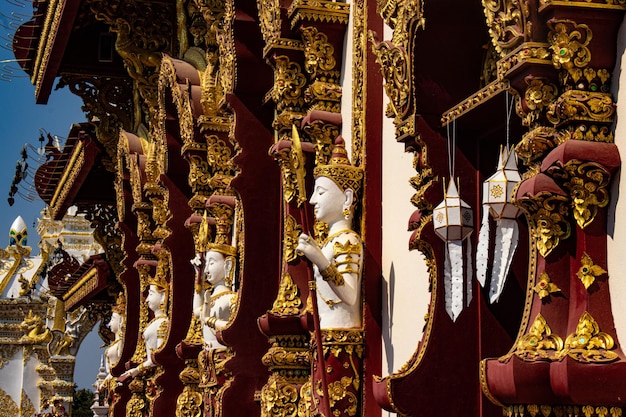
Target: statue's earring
(346, 213)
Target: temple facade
(39, 341)
(358, 208)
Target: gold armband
(210, 321)
(331, 275)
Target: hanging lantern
(453, 221)
(498, 202)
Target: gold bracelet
(331, 274)
(210, 321)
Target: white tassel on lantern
(453, 222)
(498, 202)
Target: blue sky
(21, 120)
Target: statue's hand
(309, 248)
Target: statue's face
(115, 323)
(215, 267)
(154, 298)
(327, 200)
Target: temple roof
(75, 174)
(56, 41)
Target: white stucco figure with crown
(156, 329)
(337, 268)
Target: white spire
(18, 234)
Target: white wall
(617, 207)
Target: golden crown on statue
(340, 170)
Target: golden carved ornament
(539, 343)
(168, 80)
(589, 132)
(588, 344)
(536, 144)
(27, 408)
(219, 155)
(569, 41)
(189, 402)
(290, 239)
(108, 101)
(545, 286)
(324, 96)
(588, 271)
(577, 105)
(322, 134)
(318, 54)
(547, 215)
(602, 4)
(8, 405)
(287, 302)
(395, 68)
(509, 23)
(280, 357)
(528, 52)
(337, 391)
(546, 410)
(322, 11)
(143, 32)
(199, 175)
(588, 186)
(269, 19)
(475, 100)
(279, 397)
(538, 96)
(226, 42)
(289, 83)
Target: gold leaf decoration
(588, 271)
(545, 286)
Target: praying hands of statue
(133, 372)
(308, 247)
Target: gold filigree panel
(509, 23)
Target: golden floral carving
(289, 360)
(569, 41)
(574, 105)
(545, 286)
(269, 19)
(395, 68)
(547, 215)
(290, 240)
(588, 271)
(509, 23)
(8, 406)
(289, 82)
(279, 397)
(589, 132)
(337, 391)
(287, 302)
(27, 408)
(538, 96)
(539, 343)
(536, 144)
(319, 54)
(189, 402)
(588, 186)
(588, 344)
